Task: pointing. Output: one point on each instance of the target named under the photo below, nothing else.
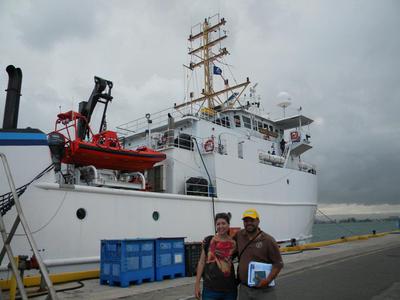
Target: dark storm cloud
(45, 23)
(339, 61)
(360, 138)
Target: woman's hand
(200, 269)
(197, 292)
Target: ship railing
(173, 139)
(149, 120)
(199, 189)
(161, 118)
(281, 161)
(307, 167)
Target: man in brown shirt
(257, 246)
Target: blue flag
(231, 97)
(217, 71)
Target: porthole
(81, 213)
(156, 215)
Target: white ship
(222, 155)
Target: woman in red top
(215, 264)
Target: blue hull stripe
(22, 139)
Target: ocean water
(324, 232)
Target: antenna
(203, 53)
(253, 88)
(284, 101)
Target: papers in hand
(257, 272)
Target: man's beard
(251, 228)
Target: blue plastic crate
(169, 258)
(126, 261)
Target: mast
(204, 55)
(207, 75)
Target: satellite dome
(284, 97)
(284, 100)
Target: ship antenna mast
(204, 56)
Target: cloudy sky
(339, 60)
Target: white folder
(260, 269)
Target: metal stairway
(7, 238)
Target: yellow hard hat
(250, 213)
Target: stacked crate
(125, 261)
(192, 257)
(169, 258)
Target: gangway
(7, 238)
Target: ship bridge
(293, 122)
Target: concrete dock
(363, 269)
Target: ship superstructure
(219, 127)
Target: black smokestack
(11, 109)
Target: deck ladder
(287, 154)
(7, 238)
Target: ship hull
(68, 243)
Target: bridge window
(224, 121)
(237, 121)
(255, 125)
(259, 125)
(246, 122)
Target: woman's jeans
(215, 295)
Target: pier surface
(364, 269)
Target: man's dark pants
(247, 293)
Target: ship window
(237, 121)
(224, 121)
(228, 122)
(265, 125)
(254, 124)
(271, 128)
(156, 215)
(81, 213)
(259, 125)
(246, 122)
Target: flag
(231, 97)
(217, 71)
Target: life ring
(209, 145)
(294, 136)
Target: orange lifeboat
(103, 150)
